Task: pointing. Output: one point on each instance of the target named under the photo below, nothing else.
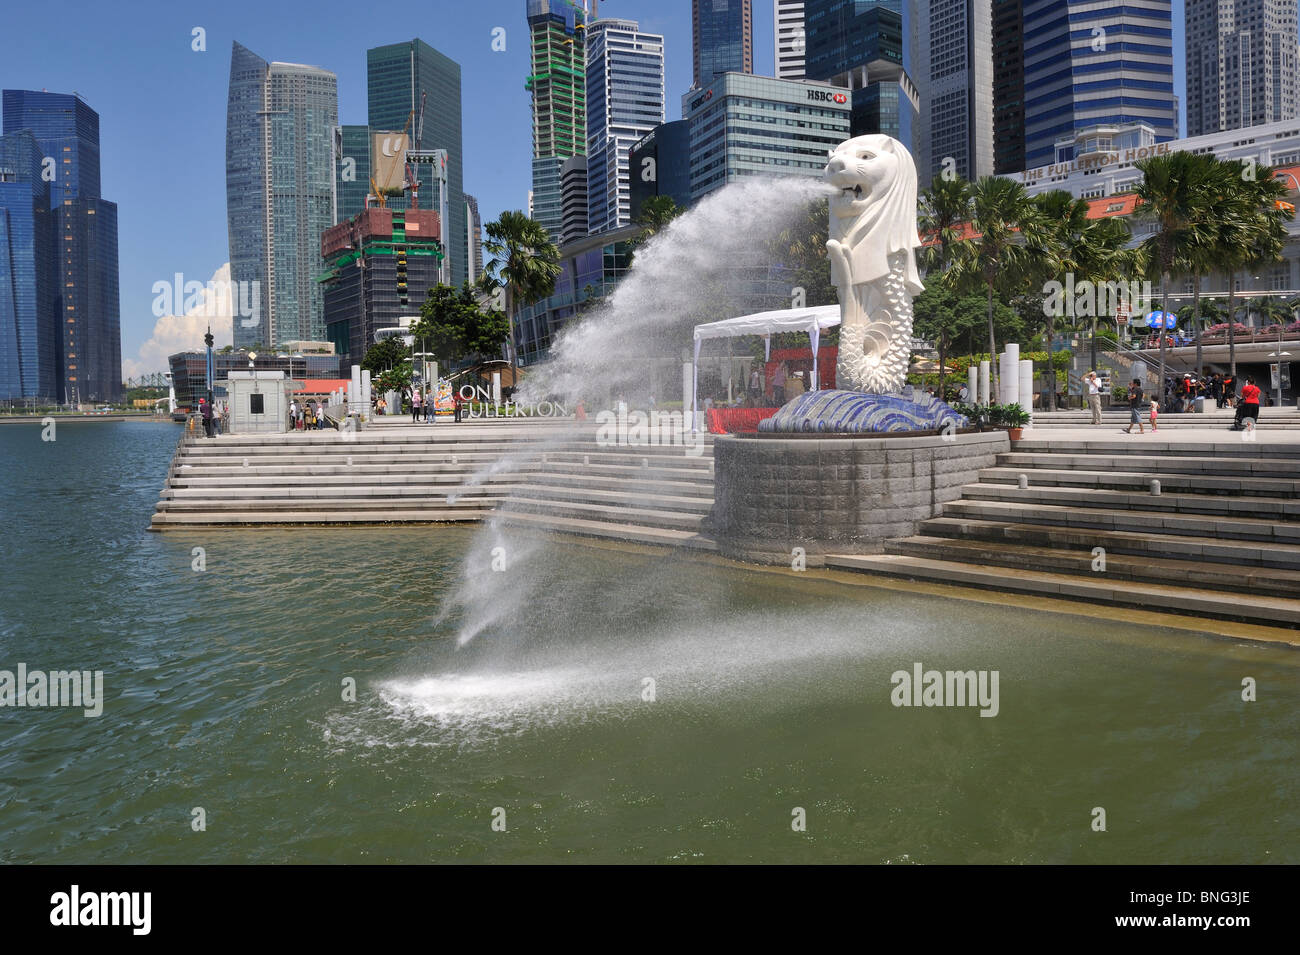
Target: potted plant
(1014, 418)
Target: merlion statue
(872, 250)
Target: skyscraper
(723, 38)
(955, 76)
(625, 100)
(474, 228)
(787, 18)
(558, 83)
(28, 322)
(280, 193)
(1088, 67)
(84, 310)
(351, 171)
(869, 48)
(1008, 87)
(397, 78)
(1241, 64)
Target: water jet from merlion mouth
(712, 262)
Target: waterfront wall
(836, 494)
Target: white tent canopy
(810, 320)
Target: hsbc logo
(701, 100)
(826, 96)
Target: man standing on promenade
(1135, 407)
(1094, 396)
(205, 409)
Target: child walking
(1155, 410)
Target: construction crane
(412, 183)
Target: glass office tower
(280, 182)
(625, 100)
(84, 310)
(723, 38)
(28, 324)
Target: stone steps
(1149, 543)
(1256, 609)
(1160, 463)
(1228, 505)
(1211, 575)
(613, 530)
(1103, 518)
(614, 513)
(1170, 481)
(551, 477)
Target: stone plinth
(836, 494)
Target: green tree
(1182, 193)
(385, 354)
(1072, 244)
(1255, 236)
(526, 262)
(455, 325)
(656, 212)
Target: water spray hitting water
(702, 267)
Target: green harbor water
(598, 705)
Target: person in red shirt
(1249, 405)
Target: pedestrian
(963, 393)
(205, 410)
(415, 405)
(428, 405)
(778, 384)
(1135, 401)
(1155, 409)
(455, 402)
(320, 416)
(755, 384)
(1094, 396)
(293, 414)
(1249, 406)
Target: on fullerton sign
(1097, 160)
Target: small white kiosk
(259, 402)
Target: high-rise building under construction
(557, 81)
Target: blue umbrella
(1170, 319)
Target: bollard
(1024, 481)
(245, 462)
(1155, 486)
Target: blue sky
(162, 105)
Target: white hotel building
(1103, 166)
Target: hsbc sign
(827, 96)
(701, 100)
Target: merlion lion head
(873, 214)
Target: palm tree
(943, 210)
(1254, 236)
(527, 262)
(1004, 217)
(1092, 250)
(1179, 191)
(656, 212)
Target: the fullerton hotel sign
(1097, 161)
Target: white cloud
(178, 333)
